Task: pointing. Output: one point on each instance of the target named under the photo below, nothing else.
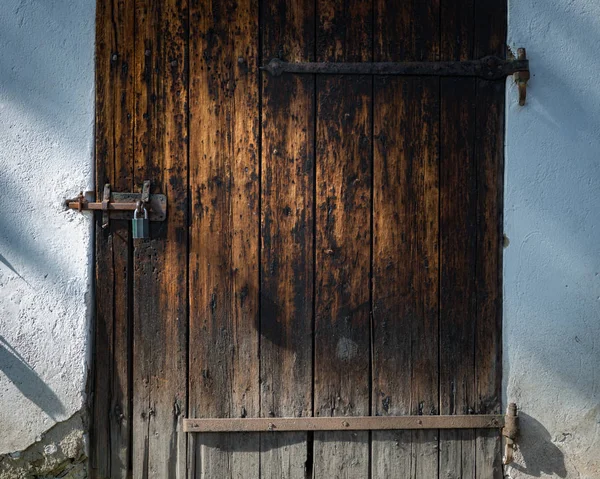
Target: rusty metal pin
(510, 432)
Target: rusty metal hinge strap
(489, 68)
(357, 423)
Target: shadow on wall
(16, 369)
(6, 263)
(540, 454)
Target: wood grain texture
(160, 263)
(490, 39)
(458, 203)
(405, 271)
(342, 270)
(287, 232)
(406, 31)
(458, 199)
(343, 237)
(406, 230)
(224, 229)
(111, 423)
(314, 203)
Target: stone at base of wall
(61, 453)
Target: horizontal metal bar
(122, 205)
(490, 68)
(359, 423)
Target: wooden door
(332, 247)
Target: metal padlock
(140, 227)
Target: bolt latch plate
(122, 205)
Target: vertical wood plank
(490, 39)
(342, 271)
(343, 238)
(405, 282)
(103, 335)
(160, 263)
(458, 198)
(406, 31)
(405, 255)
(287, 232)
(224, 247)
(111, 423)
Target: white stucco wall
(552, 219)
(46, 140)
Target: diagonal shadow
(7, 263)
(22, 375)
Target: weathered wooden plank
(407, 31)
(458, 199)
(405, 271)
(160, 264)
(287, 232)
(224, 245)
(111, 430)
(488, 332)
(405, 244)
(343, 238)
(490, 39)
(100, 457)
(342, 270)
(458, 202)
(103, 334)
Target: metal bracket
(521, 77)
(488, 68)
(510, 431)
(105, 203)
(347, 423)
(121, 205)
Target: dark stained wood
(111, 424)
(407, 31)
(224, 229)
(475, 28)
(343, 270)
(332, 247)
(287, 232)
(458, 200)
(160, 264)
(100, 427)
(343, 237)
(405, 271)
(490, 37)
(405, 239)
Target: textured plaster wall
(46, 138)
(552, 219)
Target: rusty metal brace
(510, 431)
(350, 423)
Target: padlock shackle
(135, 212)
